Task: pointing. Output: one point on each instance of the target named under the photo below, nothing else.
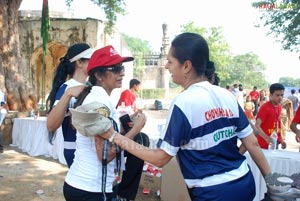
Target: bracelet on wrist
(112, 137)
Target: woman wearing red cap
(203, 126)
(90, 177)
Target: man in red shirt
(295, 122)
(128, 187)
(254, 94)
(128, 97)
(268, 117)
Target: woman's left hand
(139, 120)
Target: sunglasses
(115, 69)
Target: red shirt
(128, 98)
(254, 95)
(270, 121)
(296, 118)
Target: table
(281, 161)
(31, 136)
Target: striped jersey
(69, 132)
(202, 129)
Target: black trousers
(74, 194)
(255, 107)
(129, 185)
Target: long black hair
(65, 69)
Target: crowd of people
(214, 120)
(221, 169)
(269, 112)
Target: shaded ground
(21, 175)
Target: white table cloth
(31, 136)
(280, 161)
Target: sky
(144, 20)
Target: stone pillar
(163, 61)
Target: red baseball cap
(104, 57)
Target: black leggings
(75, 194)
(129, 185)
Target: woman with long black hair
(71, 71)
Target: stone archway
(55, 51)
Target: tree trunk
(12, 82)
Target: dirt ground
(22, 176)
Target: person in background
(128, 96)
(263, 98)
(298, 95)
(241, 88)
(295, 122)
(268, 119)
(212, 167)
(128, 187)
(71, 71)
(3, 113)
(286, 117)
(254, 98)
(241, 96)
(235, 90)
(294, 100)
(87, 178)
(249, 109)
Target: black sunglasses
(115, 69)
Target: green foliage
(246, 69)
(111, 9)
(139, 47)
(283, 20)
(137, 44)
(289, 82)
(157, 93)
(218, 46)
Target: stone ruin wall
(62, 34)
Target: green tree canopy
(283, 20)
(111, 9)
(139, 47)
(246, 69)
(218, 46)
(290, 82)
(136, 44)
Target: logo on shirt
(217, 113)
(223, 134)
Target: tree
(218, 46)
(13, 80)
(138, 47)
(111, 9)
(289, 81)
(248, 70)
(283, 20)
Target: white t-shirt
(86, 170)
